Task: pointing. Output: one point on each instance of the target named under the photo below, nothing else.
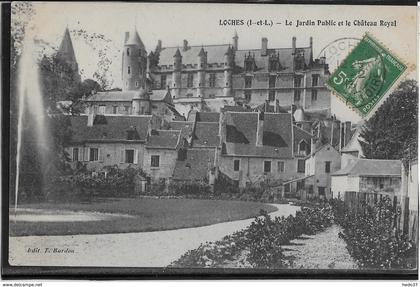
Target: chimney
(260, 129)
(235, 41)
(277, 106)
(264, 45)
(313, 145)
(127, 34)
(345, 134)
(294, 45)
(185, 46)
(311, 55)
(91, 117)
(159, 46)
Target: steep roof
(109, 128)
(215, 54)
(168, 139)
(134, 39)
(113, 96)
(66, 51)
(128, 96)
(269, 108)
(241, 135)
(371, 167)
(299, 135)
(186, 128)
(209, 117)
(206, 134)
(194, 164)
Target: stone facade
(319, 167)
(368, 175)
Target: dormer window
(129, 70)
(128, 51)
(274, 64)
(249, 63)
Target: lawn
(147, 214)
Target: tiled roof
(206, 134)
(159, 95)
(236, 109)
(215, 54)
(186, 128)
(241, 135)
(299, 135)
(113, 96)
(126, 96)
(163, 139)
(270, 108)
(209, 117)
(194, 165)
(371, 167)
(109, 128)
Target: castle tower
(134, 62)
(66, 55)
(228, 66)
(176, 75)
(201, 66)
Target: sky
(200, 24)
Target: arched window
(302, 147)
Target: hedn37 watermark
(365, 75)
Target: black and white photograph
(217, 137)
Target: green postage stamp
(365, 76)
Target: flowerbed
(259, 245)
(372, 238)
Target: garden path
(324, 250)
(144, 249)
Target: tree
(393, 128)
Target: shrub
(85, 185)
(372, 237)
(261, 243)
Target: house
(321, 163)
(367, 175)
(160, 154)
(195, 165)
(99, 141)
(259, 146)
(137, 102)
(353, 149)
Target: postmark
(336, 51)
(366, 75)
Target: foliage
(60, 83)
(259, 245)
(372, 237)
(112, 181)
(390, 131)
(102, 47)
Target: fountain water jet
(30, 107)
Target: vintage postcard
(185, 136)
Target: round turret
(134, 61)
